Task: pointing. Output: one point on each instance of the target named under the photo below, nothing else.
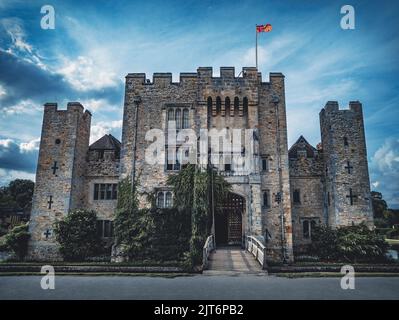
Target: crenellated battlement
(332, 107)
(71, 107)
(203, 74)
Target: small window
(168, 199)
(245, 105)
(57, 141)
(161, 200)
(306, 229)
(105, 228)
(265, 166)
(236, 105)
(171, 115)
(164, 199)
(218, 105)
(296, 196)
(105, 191)
(346, 143)
(178, 119)
(308, 226)
(266, 197)
(227, 105)
(185, 118)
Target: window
(168, 199)
(161, 199)
(265, 166)
(57, 141)
(105, 228)
(307, 226)
(164, 199)
(171, 115)
(105, 191)
(346, 143)
(178, 119)
(227, 105)
(245, 105)
(218, 105)
(236, 105)
(266, 197)
(185, 118)
(172, 158)
(296, 196)
(209, 104)
(227, 167)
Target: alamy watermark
(48, 281)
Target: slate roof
(107, 142)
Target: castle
(279, 199)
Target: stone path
(230, 260)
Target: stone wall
(64, 140)
(344, 146)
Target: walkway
(230, 260)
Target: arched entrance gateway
(228, 221)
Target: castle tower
(59, 176)
(347, 198)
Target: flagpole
(256, 48)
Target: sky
(96, 43)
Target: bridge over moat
(234, 259)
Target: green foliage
(17, 240)
(18, 194)
(192, 189)
(351, 243)
(77, 235)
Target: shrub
(77, 235)
(17, 240)
(350, 243)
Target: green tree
(348, 243)
(17, 240)
(77, 235)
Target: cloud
(27, 107)
(384, 170)
(6, 176)
(84, 73)
(102, 128)
(20, 157)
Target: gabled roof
(302, 144)
(107, 142)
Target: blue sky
(96, 43)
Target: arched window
(218, 105)
(227, 105)
(160, 200)
(209, 104)
(245, 105)
(168, 199)
(185, 118)
(178, 119)
(236, 105)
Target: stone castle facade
(284, 194)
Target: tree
(379, 204)
(348, 243)
(77, 235)
(18, 194)
(17, 240)
(192, 189)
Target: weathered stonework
(227, 101)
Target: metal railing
(208, 248)
(257, 249)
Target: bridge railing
(208, 248)
(257, 248)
